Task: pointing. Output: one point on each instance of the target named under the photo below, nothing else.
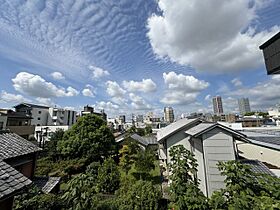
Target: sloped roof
(257, 167)
(12, 145)
(31, 105)
(11, 181)
(271, 141)
(173, 127)
(144, 140)
(46, 184)
(204, 127)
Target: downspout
(204, 165)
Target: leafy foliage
(90, 138)
(184, 186)
(246, 189)
(51, 146)
(145, 162)
(34, 199)
(108, 178)
(140, 195)
(128, 155)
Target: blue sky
(137, 56)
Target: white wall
(3, 119)
(263, 154)
(39, 119)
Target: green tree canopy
(145, 162)
(89, 137)
(108, 178)
(184, 184)
(140, 195)
(246, 189)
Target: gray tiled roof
(257, 167)
(145, 140)
(12, 145)
(11, 180)
(46, 184)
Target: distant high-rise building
(218, 105)
(168, 114)
(244, 105)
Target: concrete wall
(263, 154)
(40, 116)
(3, 119)
(217, 146)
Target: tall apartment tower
(168, 114)
(244, 105)
(218, 105)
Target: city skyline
(114, 57)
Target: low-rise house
(209, 142)
(143, 141)
(17, 161)
(17, 166)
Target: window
(1, 125)
(39, 112)
(38, 118)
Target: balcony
(24, 130)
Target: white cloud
(57, 76)
(138, 102)
(98, 72)
(146, 85)
(12, 98)
(236, 82)
(109, 108)
(34, 85)
(207, 97)
(182, 89)
(209, 35)
(45, 101)
(116, 92)
(88, 91)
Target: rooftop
(270, 41)
(173, 127)
(11, 181)
(46, 184)
(257, 167)
(31, 106)
(12, 145)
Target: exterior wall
(51, 129)
(7, 204)
(59, 116)
(217, 146)
(251, 151)
(40, 116)
(179, 138)
(3, 122)
(198, 152)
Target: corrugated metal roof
(46, 184)
(262, 139)
(11, 180)
(199, 128)
(257, 167)
(12, 145)
(173, 127)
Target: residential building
(168, 114)
(59, 116)
(218, 105)
(90, 110)
(17, 165)
(16, 122)
(271, 53)
(38, 113)
(251, 121)
(210, 143)
(231, 118)
(244, 105)
(122, 119)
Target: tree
(145, 162)
(184, 184)
(89, 137)
(108, 178)
(246, 189)
(140, 195)
(34, 199)
(128, 155)
(80, 192)
(51, 146)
